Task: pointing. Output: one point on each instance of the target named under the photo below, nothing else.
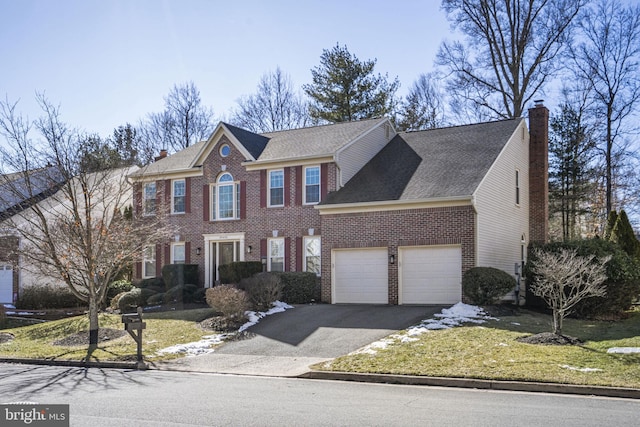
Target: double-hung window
(178, 253)
(311, 185)
(276, 255)
(276, 188)
(149, 198)
(225, 198)
(178, 195)
(149, 262)
(312, 254)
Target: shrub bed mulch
(549, 338)
(82, 338)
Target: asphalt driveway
(285, 344)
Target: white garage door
(360, 276)
(430, 275)
(6, 283)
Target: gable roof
(432, 164)
(324, 140)
(20, 190)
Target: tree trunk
(93, 322)
(557, 322)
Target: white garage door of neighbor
(360, 276)
(430, 275)
(6, 283)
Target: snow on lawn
(448, 318)
(204, 345)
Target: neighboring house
(382, 217)
(17, 193)
(16, 272)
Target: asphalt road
(106, 397)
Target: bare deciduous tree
(275, 106)
(82, 234)
(608, 58)
(183, 122)
(511, 51)
(423, 107)
(563, 279)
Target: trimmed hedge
(622, 284)
(485, 285)
(47, 297)
(179, 274)
(134, 298)
(118, 287)
(181, 293)
(300, 287)
(234, 272)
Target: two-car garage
(426, 275)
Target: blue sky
(109, 62)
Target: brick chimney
(538, 173)
(163, 154)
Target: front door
(223, 253)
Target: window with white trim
(225, 198)
(311, 185)
(178, 196)
(276, 188)
(178, 253)
(149, 198)
(312, 254)
(275, 257)
(149, 262)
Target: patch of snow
(573, 368)
(11, 306)
(448, 318)
(515, 323)
(20, 313)
(503, 344)
(204, 345)
(624, 350)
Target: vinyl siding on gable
(353, 157)
(501, 222)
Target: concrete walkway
(286, 344)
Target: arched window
(225, 199)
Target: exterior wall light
(392, 259)
(198, 251)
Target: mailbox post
(134, 325)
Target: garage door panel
(360, 276)
(431, 275)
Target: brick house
(382, 217)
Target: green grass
(490, 351)
(162, 330)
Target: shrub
(236, 271)
(179, 274)
(47, 297)
(156, 299)
(263, 290)
(622, 284)
(300, 287)
(114, 301)
(485, 285)
(231, 302)
(118, 287)
(156, 284)
(3, 313)
(180, 293)
(134, 298)
(199, 296)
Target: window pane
(178, 188)
(178, 196)
(149, 262)
(150, 198)
(276, 254)
(178, 254)
(225, 201)
(276, 188)
(312, 254)
(312, 185)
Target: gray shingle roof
(253, 142)
(180, 161)
(429, 164)
(314, 141)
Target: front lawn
(162, 330)
(490, 351)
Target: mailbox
(134, 325)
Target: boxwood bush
(486, 285)
(179, 274)
(300, 287)
(234, 272)
(42, 297)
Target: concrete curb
(629, 393)
(77, 363)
